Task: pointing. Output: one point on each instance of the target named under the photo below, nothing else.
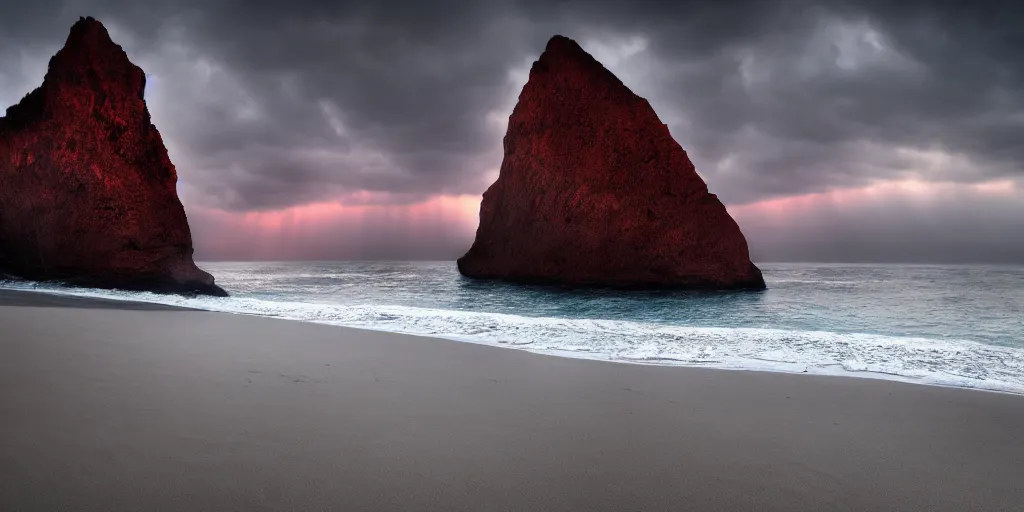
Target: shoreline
(42, 298)
(169, 409)
(47, 298)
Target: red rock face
(593, 190)
(87, 192)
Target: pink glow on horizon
(439, 208)
(443, 226)
(329, 230)
(918, 192)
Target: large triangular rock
(87, 192)
(593, 190)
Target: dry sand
(154, 409)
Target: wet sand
(115, 406)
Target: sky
(837, 131)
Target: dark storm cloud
(270, 104)
(793, 97)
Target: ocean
(942, 325)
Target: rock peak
(564, 55)
(561, 48)
(91, 61)
(564, 45)
(88, 32)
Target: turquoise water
(947, 325)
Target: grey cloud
(793, 103)
(404, 102)
(271, 104)
(770, 98)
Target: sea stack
(87, 191)
(594, 191)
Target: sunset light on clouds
(437, 228)
(434, 228)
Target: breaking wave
(948, 362)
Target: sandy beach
(125, 407)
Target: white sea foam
(948, 362)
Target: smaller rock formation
(87, 192)
(593, 190)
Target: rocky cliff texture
(87, 192)
(593, 190)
